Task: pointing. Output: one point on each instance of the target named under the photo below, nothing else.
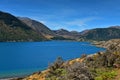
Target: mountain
(61, 34)
(98, 34)
(38, 27)
(84, 32)
(67, 34)
(12, 29)
(118, 27)
(102, 34)
(26, 29)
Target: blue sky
(68, 14)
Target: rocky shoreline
(113, 44)
(8, 78)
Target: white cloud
(75, 24)
(81, 22)
(44, 22)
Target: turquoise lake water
(24, 58)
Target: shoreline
(12, 78)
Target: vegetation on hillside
(12, 29)
(99, 66)
(60, 38)
(101, 34)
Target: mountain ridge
(40, 30)
(12, 29)
(102, 34)
(39, 27)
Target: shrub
(56, 70)
(58, 74)
(98, 78)
(105, 74)
(57, 64)
(78, 71)
(83, 55)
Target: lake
(24, 58)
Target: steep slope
(12, 29)
(38, 27)
(102, 34)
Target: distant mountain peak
(102, 34)
(37, 26)
(84, 31)
(23, 17)
(118, 27)
(62, 30)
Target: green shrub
(56, 70)
(98, 78)
(107, 74)
(56, 75)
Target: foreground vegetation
(99, 66)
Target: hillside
(12, 29)
(73, 35)
(48, 33)
(98, 66)
(113, 44)
(98, 34)
(102, 34)
(38, 27)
